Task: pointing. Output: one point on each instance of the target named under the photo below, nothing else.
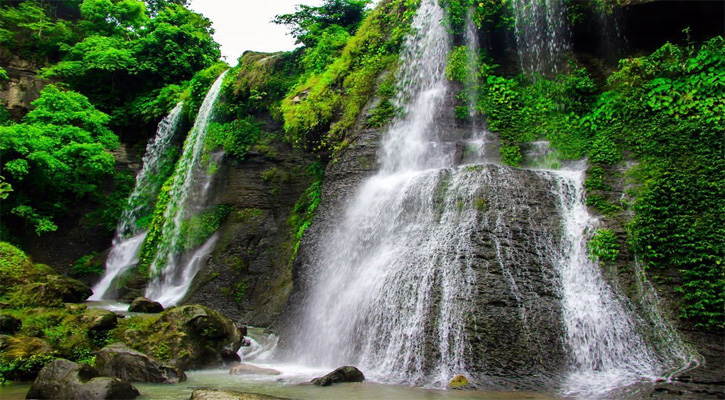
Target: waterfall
(608, 350)
(129, 238)
(436, 269)
(175, 268)
(542, 34)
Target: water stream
(129, 238)
(175, 267)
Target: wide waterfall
(129, 236)
(173, 267)
(436, 268)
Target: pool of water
(292, 384)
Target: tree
(28, 30)
(308, 23)
(56, 157)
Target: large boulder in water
(187, 337)
(217, 394)
(62, 379)
(122, 362)
(144, 305)
(340, 375)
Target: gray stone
(144, 305)
(62, 379)
(120, 361)
(340, 375)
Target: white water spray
(188, 196)
(128, 240)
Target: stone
(218, 394)
(100, 320)
(193, 336)
(123, 362)
(460, 382)
(9, 324)
(63, 379)
(144, 305)
(247, 369)
(340, 375)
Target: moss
(319, 113)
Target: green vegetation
(57, 156)
(603, 245)
(320, 111)
(304, 211)
(667, 110)
(125, 65)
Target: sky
(242, 25)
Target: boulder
(123, 362)
(187, 337)
(247, 369)
(342, 374)
(9, 324)
(217, 394)
(100, 320)
(62, 379)
(144, 305)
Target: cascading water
(542, 34)
(129, 237)
(188, 196)
(437, 269)
(607, 349)
(382, 270)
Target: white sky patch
(243, 25)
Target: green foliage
(199, 87)
(258, 83)
(321, 110)
(197, 229)
(112, 206)
(28, 30)
(58, 155)
(309, 24)
(23, 368)
(666, 109)
(155, 229)
(236, 138)
(3, 75)
(385, 110)
(240, 291)
(603, 246)
(304, 210)
(522, 110)
(86, 266)
(456, 14)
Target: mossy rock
(460, 382)
(187, 337)
(24, 284)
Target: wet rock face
(122, 362)
(248, 275)
(515, 327)
(62, 379)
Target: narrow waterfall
(129, 235)
(173, 266)
(542, 35)
(604, 335)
